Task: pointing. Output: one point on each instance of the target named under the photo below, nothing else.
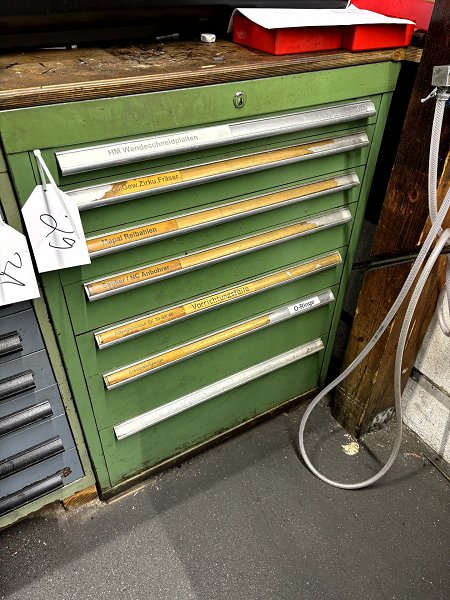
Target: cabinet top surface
(39, 77)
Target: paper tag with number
(55, 230)
(17, 277)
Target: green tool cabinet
(232, 251)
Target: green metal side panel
(74, 319)
(357, 222)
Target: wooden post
(403, 224)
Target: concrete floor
(247, 521)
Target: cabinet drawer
(99, 359)
(20, 375)
(121, 202)
(143, 233)
(287, 205)
(87, 315)
(23, 408)
(160, 147)
(20, 440)
(185, 430)
(156, 182)
(146, 323)
(35, 452)
(66, 465)
(9, 309)
(203, 362)
(19, 335)
(122, 153)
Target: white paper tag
(17, 277)
(56, 237)
(304, 305)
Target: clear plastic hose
(437, 218)
(434, 157)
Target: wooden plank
(403, 223)
(80, 498)
(369, 390)
(53, 76)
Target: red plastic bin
(285, 41)
(419, 11)
(372, 37)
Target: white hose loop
(440, 310)
(437, 218)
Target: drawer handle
(25, 417)
(120, 282)
(177, 354)
(157, 415)
(31, 456)
(146, 323)
(31, 492)
(155, 183)
(16, 384)
(123, 239)
(131, 151)
(10, 342)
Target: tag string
(44, 171)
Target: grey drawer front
(32, 456)
(24, 324)
(17, 384)
(10, 309)
(21, 440)
(50, 393)
(37, 449)
(67, 462)
(29, 493)
(37, 362)
(25, 417)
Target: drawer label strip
(129, 151)
(153, 231)
(175, 355)
(147, 323)
(120, 282)
(218, 388)
(127, 189)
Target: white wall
(426, 399)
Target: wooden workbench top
(52, 76)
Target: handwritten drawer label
(17, 277)
(54, 227)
